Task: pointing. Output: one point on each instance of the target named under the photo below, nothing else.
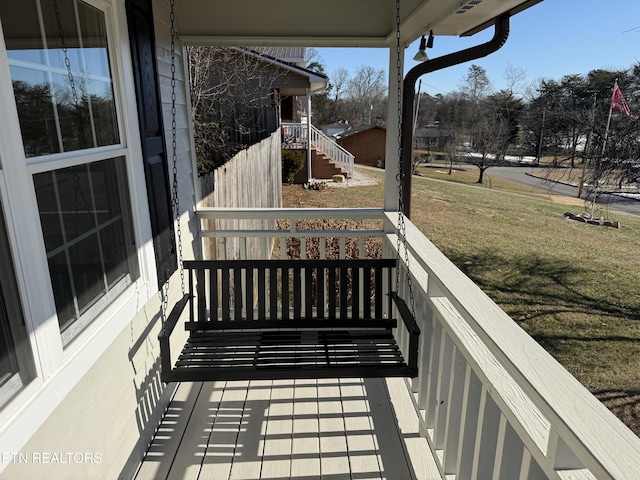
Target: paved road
(520, 175)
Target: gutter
(408, 96)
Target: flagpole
(606, 132)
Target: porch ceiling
(332, 23)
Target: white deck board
(188, 460)
(161, 453)
(277, 448)
(329, 429)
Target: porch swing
(289, 319)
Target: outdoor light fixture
(421, 56)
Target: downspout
(408, 95)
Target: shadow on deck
(302, 429)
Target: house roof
(317, 81)
(333, 23)
(295, 55)
(357, 130)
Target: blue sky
(549, 40)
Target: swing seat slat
(289, 319)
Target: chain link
(65, 50)
(175, 200)
(401, 227)
(174, 144)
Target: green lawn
(573, 287)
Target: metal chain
(175, 201)
(65, 50)
(174, 145)
(401, 227)
(399, 176)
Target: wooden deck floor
(303, 429)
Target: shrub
(292, 163)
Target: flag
(617, 101)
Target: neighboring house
(292, 78)
(433, 137)
(96, 127)
(367, 143)
(248, 92)
(335, 128)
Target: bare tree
(233, 99)
(516, 79)
(491, 137)
(339, 81)
(366, 94)
(476, 85)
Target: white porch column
(309, 174)
(393, 134)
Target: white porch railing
(295, 134)
(493, 404)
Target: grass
(574, 287)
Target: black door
(154, 152)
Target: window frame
(58, 369)
(59, 160)
(101, 302)
(12, 296)
(26, 236)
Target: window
(16, 365)
(87, 235)
(61, 75)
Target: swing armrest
(405, 314)
(412, 326)
(174, 316)
(163, 337)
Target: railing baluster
(434, 379)
(469, 425)
(510, 452)
(442, 395)
(485, 447)
(454, 412)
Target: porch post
(309, 173)
(391, 164)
